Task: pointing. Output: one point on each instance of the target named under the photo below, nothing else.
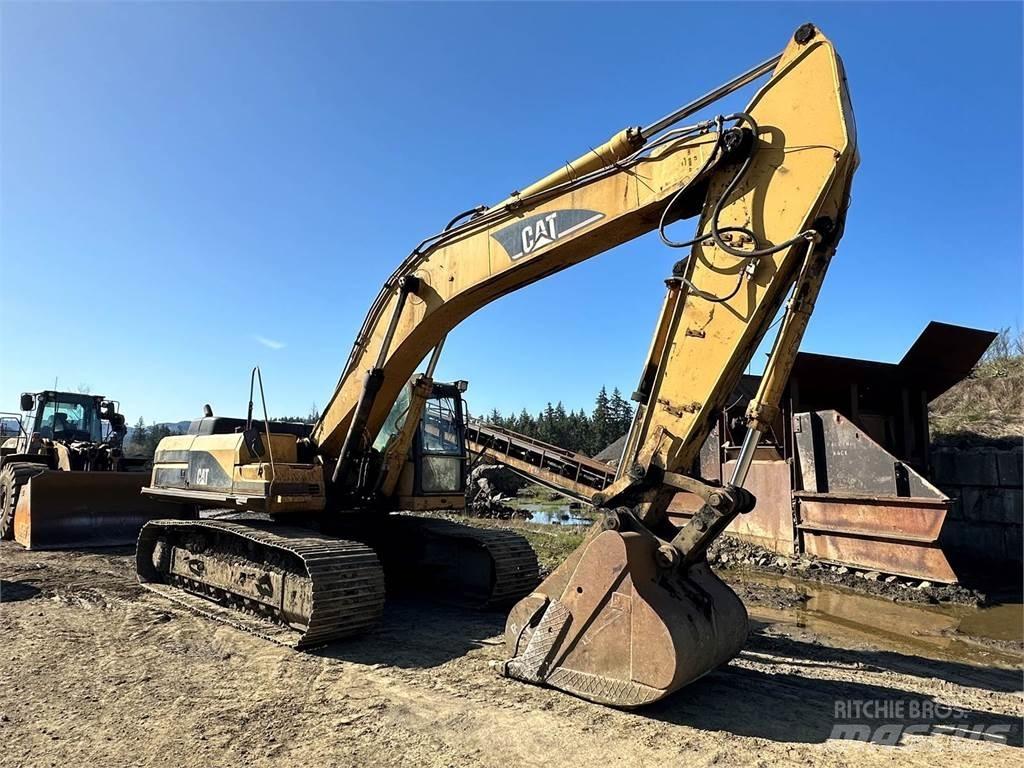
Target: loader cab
(63, 416)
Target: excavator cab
(435, 475)
(423, 467)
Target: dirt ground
(95, 671)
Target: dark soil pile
(731, 553)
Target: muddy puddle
(559, 515)
(987, 636)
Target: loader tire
(13, 478)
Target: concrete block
(973, 504)
(999, 506)
(943, 466)
(977, 541)
(1014, 544)
(974, 467)
(1011, 468)
(1012, 506)
(990, 542)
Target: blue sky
(188, 190)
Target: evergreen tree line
(573, 430)
(144, 440)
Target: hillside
(988, 406)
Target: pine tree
(621, 414)
(573, 430)
(139, 436)
(525, 424)
(560, 427)
(578, 431)
(600, 422)
(546, 425)
(154, 435)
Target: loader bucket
(67, 510)
(613, 626)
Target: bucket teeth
(543, 645)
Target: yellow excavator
(319, 518)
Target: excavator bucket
(613, 626)
(67, 510)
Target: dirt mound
(987, 408)
(613, 452)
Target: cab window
(70, 421)
(439, 428)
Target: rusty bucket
(613, 626)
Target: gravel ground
(98, 672)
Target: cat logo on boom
(534, 232)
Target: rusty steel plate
(888, 534)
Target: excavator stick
(69, 510)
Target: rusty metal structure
(848, 484)
(572, 474)
(843, 473)
(859, 505)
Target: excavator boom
(796, 171)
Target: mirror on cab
(28, 401)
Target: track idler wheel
(622, 623)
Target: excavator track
(289, 585)
(449, 562)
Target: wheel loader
(64, 478)
(317, 525)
